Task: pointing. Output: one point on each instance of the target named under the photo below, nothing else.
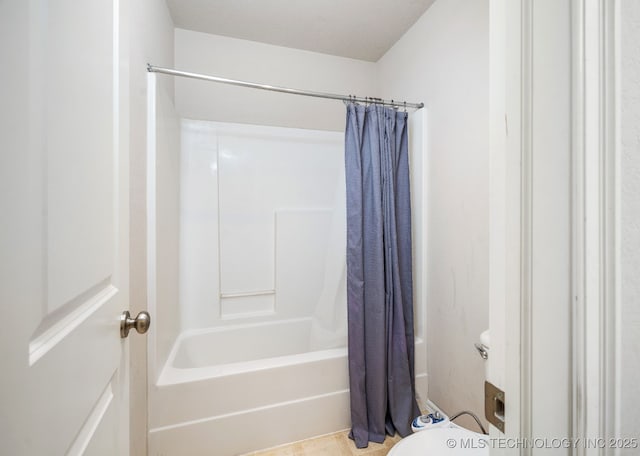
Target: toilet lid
(449, 441)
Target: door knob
(141, 323)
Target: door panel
(77, 106)
(65, 233)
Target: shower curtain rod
(306, 93)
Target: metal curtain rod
(307, 93)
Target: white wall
(150, 40)
(443, 61)
(268, 64)
(630, 225)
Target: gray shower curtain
(379, 274)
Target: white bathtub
(218, 395)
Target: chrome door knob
(141, 323)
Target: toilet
(449, 439)
(452, 440)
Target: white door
(63, 230)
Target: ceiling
(359, 29)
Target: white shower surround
(199, 404)
(262, 226)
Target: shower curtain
(379, 281)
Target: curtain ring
(405, 106)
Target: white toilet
(450, 439)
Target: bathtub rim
(171, 375)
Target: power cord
(472, 415)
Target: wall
(268, 64)
(150, 40)
(630, 227)
(443, 61)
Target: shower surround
(262, 226)
(259, 358)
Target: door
(64, 229)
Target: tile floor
(337, 444)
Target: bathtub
(218, 395)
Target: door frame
(591, 396)
(596, 221)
